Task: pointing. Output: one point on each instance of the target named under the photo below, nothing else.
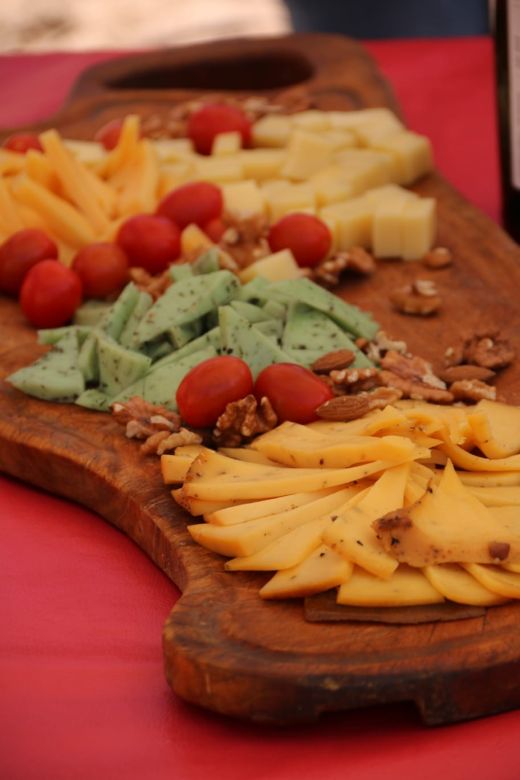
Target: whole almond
(457, 373)
(333, 361)
(344, 408)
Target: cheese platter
(225, 648)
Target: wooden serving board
(224, 648)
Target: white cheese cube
(312, 119)
(418, 227)
(243, 198)
(364, 168)
(218, 169)
(387, 228)
(339, 139)
(261, 164)
(225, 144)
(374, 130)
(87, 152)
(275, 267)
(352, 222)
(173, 149)
(194, 241)
(292, 197)
(173, 175)
(272, 130)
(412, 154)
(351, 120)
(331, 186)
(388, 192)
(307, 153)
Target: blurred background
(43, 25)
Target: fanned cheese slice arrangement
(392, 509)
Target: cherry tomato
(102, 268)
(206, 390)
(22, 142)
(214, 229)
(20, 252)
(214, 118)
(308, 238)
(108, 135)
(50, 294)
(195, 202)
(294, 391)
(149, 242)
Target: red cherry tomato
(294, 391)
(102, 268)
(206, 390)
(19, 253)
(215, 229)
(195, 202)
(308, 238)
(50, 294)
(149, 242)
(214, 118)
(108, 135)
(22, 142)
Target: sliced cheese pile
(392, 509)
(349, 168)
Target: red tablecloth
(82, 691)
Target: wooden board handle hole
(258, 71)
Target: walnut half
(243, 419)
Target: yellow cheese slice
(38, 168)
(63, 219)
(497, 496)
(214, 477)
(74, 180)
(497, 579)
(247, 454)
(496, 428)
(467, 460)
(126, 148)
(490, 479)
(197, 507)
(456, 584)
(11, 162)
(353, 536)
(10, 219)
(406, 587)
(247, 538)
(450, 525)
(174, 468)
(319, 452)
(321, 570)
(252, 510)
(287, 551)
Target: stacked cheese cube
(349, 168)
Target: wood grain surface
(224, 648)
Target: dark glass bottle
(507, 58)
